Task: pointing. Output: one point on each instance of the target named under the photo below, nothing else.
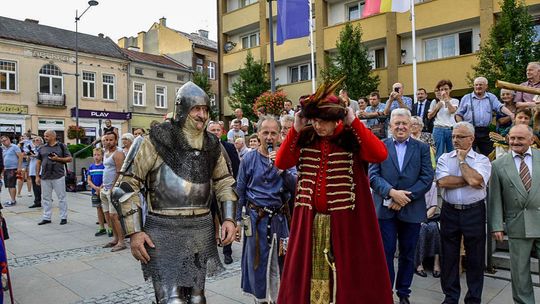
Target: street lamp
(77, 18)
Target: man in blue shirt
(264, 191)
(375, 113)
(12, 157)
(477, 108)
(397, 100)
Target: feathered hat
(323, 103)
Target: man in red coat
(335, 253)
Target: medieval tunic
(261, 184)
(333, 184)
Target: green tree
(510, 47)
(351, 60)
(252, 82)
(201, 79)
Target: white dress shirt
(528, 160)
(448, 165)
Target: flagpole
(413, 27)
(311, 46)
(271, 34)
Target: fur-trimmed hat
(324, 104)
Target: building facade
(37, 80)
(448, 34)
(153, 83)
(193, 50)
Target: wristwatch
(462, 162)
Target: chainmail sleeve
(145, 160)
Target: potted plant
(76, 132)
(272, 103)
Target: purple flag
(292, 19)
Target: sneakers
(19, 195)
(30, 194)
(10, 203)
(109, 232)
(101, 231)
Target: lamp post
(77, 18)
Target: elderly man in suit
(463, 175)
(399, 184)
(514, 198)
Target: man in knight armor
(177, 165)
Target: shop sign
(13, 109)
(102, 114)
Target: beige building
(448, 34)
(194, 50)
(37, 82)
(153, 83)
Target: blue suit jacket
(416, 176)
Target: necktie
(420, 109)
(524, 173)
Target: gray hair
(465, 124)
(128, 136)
(482, 79)
(38, 138)
(400, 112)
(528, 129)
(507, 91)
(51, 132)
(286, 118)
(418, 119)
(264, 118)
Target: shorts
(96, 201)
(10, 178)
(105, 197)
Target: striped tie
(524, 173)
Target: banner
(373, 7)
(292, 19)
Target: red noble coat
(362, 274)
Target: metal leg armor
(170, 294)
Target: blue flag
(292, 19)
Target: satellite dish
(228, 46)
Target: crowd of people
(332, 189)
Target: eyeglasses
(460, 136)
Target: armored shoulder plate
(130, 157)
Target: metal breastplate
(169, 191)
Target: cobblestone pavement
(32, 260)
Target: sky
(118, 18)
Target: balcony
(51, 100)
(234, 61)
(240, 18)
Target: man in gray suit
(514, 198)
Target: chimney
(100, 35)
(122, 42)
(140, 40)
(163, 21)
(203, 33)
(31, 20)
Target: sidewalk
(66, 264)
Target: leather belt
(464, 207)
(261, 213)
(183, 213)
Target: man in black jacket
(233, 162)
(421, 107)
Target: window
(161, 97)
(50, 80)
(246, 2)
(249, 41)
(536, 30)
(199, 69)
(300, 72)
(8, 75)
(448, 45)
(180, 77)
(138, 94)
(138, 71)
(108, 86)
(379, 59)
(200, 61)
(159, 74)
(213, 100)
(211, 70)
(89, 84)
(354, 10)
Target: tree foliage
(252, 82)
(201, 80)
(510, 47)
(352, 61)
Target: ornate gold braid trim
(303, 195)
(306, 180)
(340, 192)
(308, 166)
(340, 185)
(310, 150)
(340, 176)
(317, 159)
(309, 173)
(340, 153)
(305, 189)
(350, 170)
(341, 208)
(332, 162)
(341, 200)
(304, 205)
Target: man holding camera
(397, 100)
(50, 174)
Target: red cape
(362, 274)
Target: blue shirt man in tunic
(264, 190)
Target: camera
(396, 90)
(52, 154)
